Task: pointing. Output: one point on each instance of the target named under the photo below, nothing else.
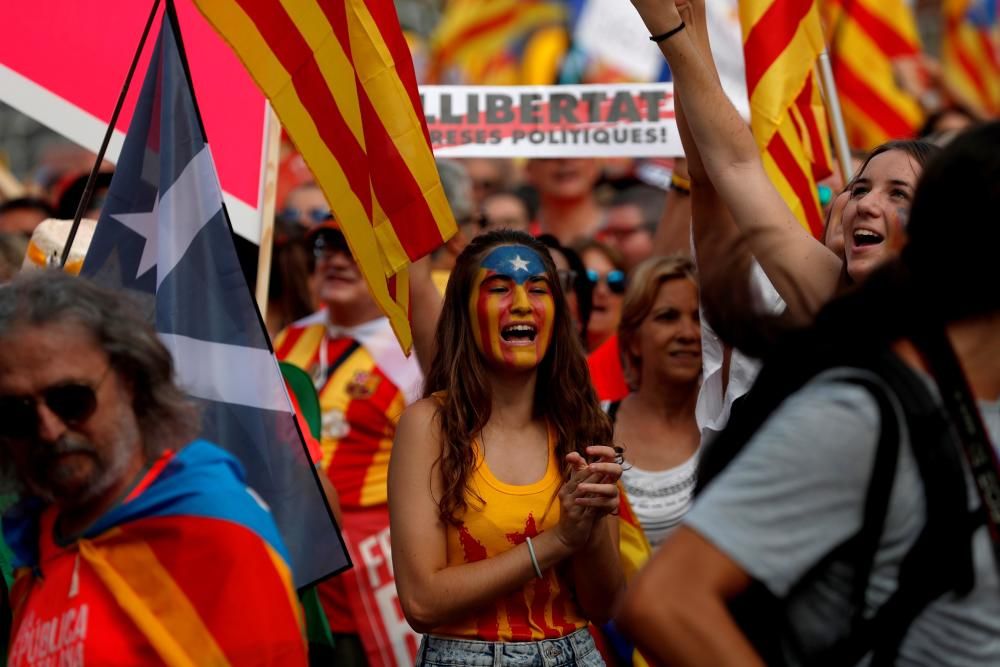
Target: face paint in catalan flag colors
(512, 308)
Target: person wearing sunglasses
(130, 539)
(363, 381)
(306, 205)
(606, 273)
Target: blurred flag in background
(865, 37)
(970, 52)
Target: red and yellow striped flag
(970, 52)
(475, 36)
(339, 76)
(865, 36)
(781, 41)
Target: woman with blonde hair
(660, 343)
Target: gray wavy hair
(165, 414)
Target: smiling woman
(502, 479)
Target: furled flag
(339, 76)
(484, 41)
(782, 40)
(164, 236)
(865, 38)
(970, 52)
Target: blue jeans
(575, 649)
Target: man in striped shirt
(364, 381)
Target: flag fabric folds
(164, 237)
(340, 78)
(865, 37)
(970, 52)
(781, 41)
(498, 42)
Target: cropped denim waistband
(576, 648)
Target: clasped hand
(590, 493)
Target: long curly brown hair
(458, 379)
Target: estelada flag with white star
(164, 236)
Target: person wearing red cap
(364, 381)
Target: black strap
(961, 406)
(860, 550)
(941, 558)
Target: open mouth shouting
(866, 238)
(519, 334)
(511, 308)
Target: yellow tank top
(543, 608)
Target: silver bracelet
(534, 560)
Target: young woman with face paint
(503, 478)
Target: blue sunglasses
(314, 215)
(615, 279)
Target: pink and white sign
(63, 62)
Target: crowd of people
(644, 423)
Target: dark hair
(929, 129)
(70, 198)
(292, 264)
(582, 287)
(29, 204)
(921, 152)
(648, 199)
(564, 396)
(164, 413)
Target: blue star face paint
(512, 308)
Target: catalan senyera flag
(340, 78)
(970, 51)
(865, 36)
(782, 40)
(188, 569)
(497, 41)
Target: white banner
(607, 120)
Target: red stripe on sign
(889, 40)
(801, 184)
(871, 102)
(284, 39)
(770, 36)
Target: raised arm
(425, 304)
(720, 148)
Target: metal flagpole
(836, 116)
(88, 191)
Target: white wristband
(534, 560)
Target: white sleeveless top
(660, 498)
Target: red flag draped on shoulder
(970, 52)
(781, 41)
(866, 37)
(339, 76)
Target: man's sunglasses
(615, 279)
(313, 215)
(73, 402)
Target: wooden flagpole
(269, 193)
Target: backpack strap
(936, 563)
(860, 549)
